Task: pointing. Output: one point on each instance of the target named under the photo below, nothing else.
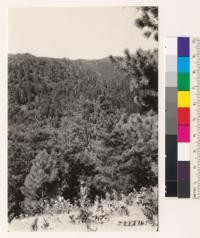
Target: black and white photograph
(83, 119)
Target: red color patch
(183, 116)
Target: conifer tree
(42, 172)
(148, 21)
(142, 70)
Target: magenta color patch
(183, 133)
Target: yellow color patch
(183, 99)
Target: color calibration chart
(182, 126)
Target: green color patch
(184, 82)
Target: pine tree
(148, 21)
(142, 70)
(42, 172)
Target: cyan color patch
(183, 64)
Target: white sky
(88, 33)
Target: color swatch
(183, 73)
(177, 120)
(171, 118)
(182, 120)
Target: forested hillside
(73, 120)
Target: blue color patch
(183, 64)
(183, 46)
